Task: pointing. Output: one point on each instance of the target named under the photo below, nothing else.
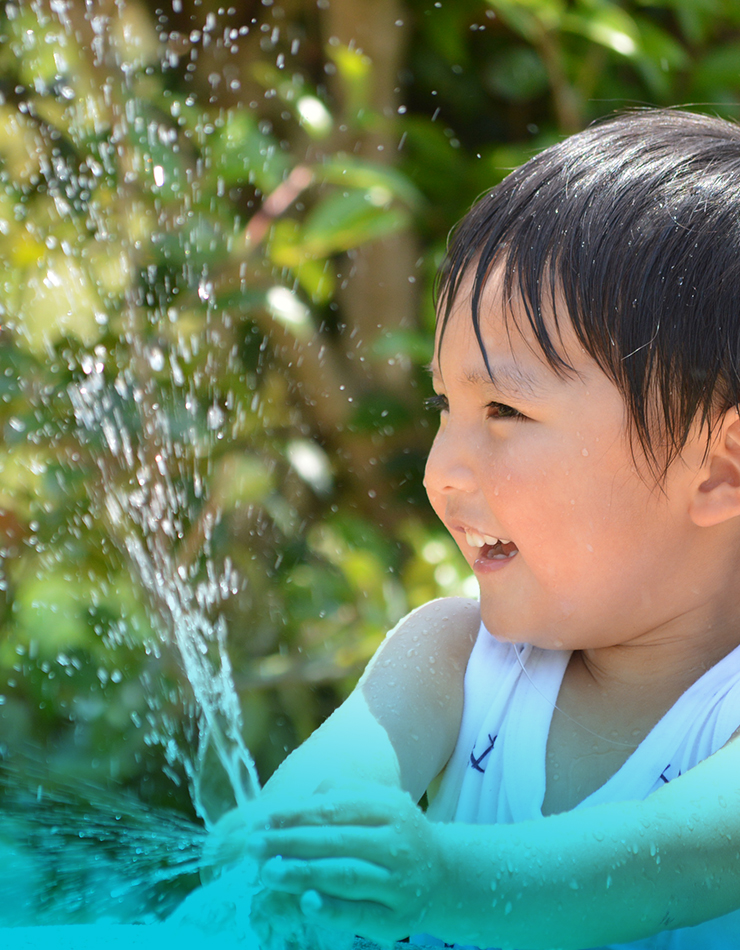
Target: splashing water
(116, 859)
(107, 862)
(154, 507)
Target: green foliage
(179, 341)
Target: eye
(436, 403)
(499, 410)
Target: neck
(667, 659)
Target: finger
(225, 846)
(345, 878)
(368, 844)
(365, 918)
(342, 807)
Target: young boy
(587, 463)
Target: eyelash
(439, 403)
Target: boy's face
(598, 555)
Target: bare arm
(400, 724)
(606, 874)
(611, 873)
(396, 729)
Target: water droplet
(156, 359)
(215, 417)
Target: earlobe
(717, 496)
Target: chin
(544, 640)
(500, 633)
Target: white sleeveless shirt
(496, 774)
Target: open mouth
(495, 549)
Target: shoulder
(414, 684)
(399, 726)
(444, 629)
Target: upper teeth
(476, 540)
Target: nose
(449, 467)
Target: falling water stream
(146, 520)
(147, 846)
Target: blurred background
(219, 229)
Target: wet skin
(605, 559)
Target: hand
(227, 843)
(364, 862)
(275, 916)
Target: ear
(716, 497)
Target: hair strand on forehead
(630, 230)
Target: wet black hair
(635, 224)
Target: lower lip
(489, 565)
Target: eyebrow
(506, 378)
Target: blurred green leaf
(715, 77)
(202, 239)
(242, 480)
(309, 110)
(659, 56)
(350, 172)
(530, 18)
(438, 168)
(354, 70)
(517, 74)
(316, 279)
(379, 412)
(50, 614)
(608, 25)
(240, 152)
(42, 50)
(346, 219)
(697, 18)
(58, 300)
(412, 344)
(155, 158)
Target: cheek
(557, 511)
(533, 485)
